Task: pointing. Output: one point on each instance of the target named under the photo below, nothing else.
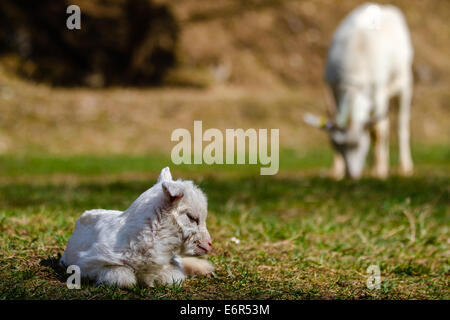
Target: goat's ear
(165, 175)
(318, 122)
(172, 190)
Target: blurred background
(138, 69)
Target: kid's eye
(193, 219)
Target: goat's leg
(117, 276)
(194, 266)
(406, 164)
(381, 130)
(338, 169)
(381, 149)
(167, 274)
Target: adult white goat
(369, 62)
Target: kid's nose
(207, 243)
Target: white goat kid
(369, 62)
(144, 243)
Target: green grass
(16, 165)
(303, 236)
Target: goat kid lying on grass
(143, 244)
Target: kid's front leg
(120, 276)
(168, 274)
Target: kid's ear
(172, 190)
(165, 175)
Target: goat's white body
(370, 61)
(140, 244)
(371, 48)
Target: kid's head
(187, 205)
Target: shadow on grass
(60, 271)
(52, 262)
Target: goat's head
(349, 135)
(187, 206)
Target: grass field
(302, 235)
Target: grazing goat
(144, 243)
(369, 62)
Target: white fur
(143, 243)
(369, 61)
